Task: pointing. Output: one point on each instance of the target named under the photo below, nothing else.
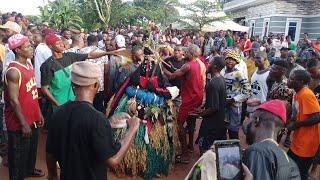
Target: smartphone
(228, 161)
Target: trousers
(22, 153)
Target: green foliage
(160, 11)
(90, 19)
(201, 13)
(121, 13)
(94, 14)
(34, 19)
(62, 14)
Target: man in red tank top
(192, 91)
(22, 112)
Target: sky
(30, 7)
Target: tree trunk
(103, 8)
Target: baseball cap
(255, 46)
(120, 41)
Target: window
(293, 27)
(266, 26)
(252, 27)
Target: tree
(62, 14)
(122, 13)
(44, 13)
(89, 15)
(34, 19)
(202, 12)
(156, 10)
(103, 8)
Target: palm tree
(62, 14)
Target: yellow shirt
(2, 52)
(252, 67)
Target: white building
(289, 17)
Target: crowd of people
(128, 98)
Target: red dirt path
(178, 172)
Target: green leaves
(93, 14)
(201, 13)
(61, 14)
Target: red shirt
(192, 90)
(28, 97)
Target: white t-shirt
(101, 45)
(41, 54)
(259, 87)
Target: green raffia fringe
(146, 160)
(122, 104)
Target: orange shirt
(305, 140)
(316, 46)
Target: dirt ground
(179, 171)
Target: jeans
(3, 132)
(303, 163)
(22, 153)
(233, 117)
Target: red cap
(276, 107)
(47, 31)
(51, 39)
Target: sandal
(35, 173)
(180, 160)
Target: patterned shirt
(280, 90)
(237, 86)
(99, 61)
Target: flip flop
(35, 173)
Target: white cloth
(41, 54)
(259, 87)
(101, 45)
(208, 166)
(276, 44)
(9, 56)
(100, 61)
(284, 44)
(174, 91)
(208, 46)
(176, 41)
(242, 67)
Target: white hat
(120, 41)
(12, 26)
